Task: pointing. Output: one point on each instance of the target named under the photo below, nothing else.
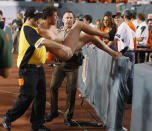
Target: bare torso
(49, 32)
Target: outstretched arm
(61, 51)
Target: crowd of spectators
(93, 1)
(143, 28)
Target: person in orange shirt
(131, 25)
(106, 25)
(149, 22)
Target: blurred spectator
(87, 19)
(5, 55)
(149, 22)
(117, 18)
(16, 27)
(134, 20)
(21, 17)
(108, 25)
(2, 23)
(142, 34)
(142, 29)
(97, 24)
(8, 30)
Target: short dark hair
(68, 11)
(1, 12)
(48, 11)
(127, 13)
(141, 16)
(88, 18)
(133, 14)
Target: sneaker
(6, 123)
(42, 128)
(50, 116)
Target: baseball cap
(32, 13)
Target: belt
(32, 66)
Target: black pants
(58, 76)
(32, 89)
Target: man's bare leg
(84, 39)
(73, 36)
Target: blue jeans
(131, 56)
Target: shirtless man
(74, 38)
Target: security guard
(31, 76)
(32, 54)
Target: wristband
(63, 47)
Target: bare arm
(61, 51)
(105, 35)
